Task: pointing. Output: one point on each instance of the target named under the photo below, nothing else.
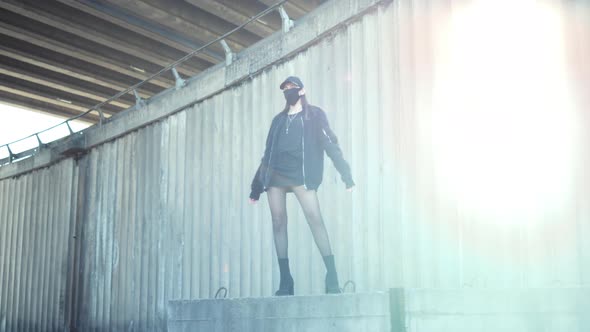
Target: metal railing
(287, 24)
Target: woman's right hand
(253, 201)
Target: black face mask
(292, 95)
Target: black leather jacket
(317, 138)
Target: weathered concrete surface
(401, 310)
(323, 313)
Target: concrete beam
(182, 23)
(40, 106)
(203, 19)
(44, 78)
(143, 28)
(71, 70)
(135, 40)
(70, 50)
(233, 16)
(41, 14)
(50, 96)
(274, 49)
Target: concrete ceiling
(65, 56)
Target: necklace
(290, 118)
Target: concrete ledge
(346, 312)
(400, 310)
(267, 52)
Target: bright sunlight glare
(504, 127)
(17, 123)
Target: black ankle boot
(286, 285)
(332, 286)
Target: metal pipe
(39, 141)
(69, 128)
(287, 22)
(229, 55)
(10, 154)
(138, 100)
(179, 81)
(101, 116)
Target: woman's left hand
(350, 189)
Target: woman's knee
(279, 223)
(314, 219)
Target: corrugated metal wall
(36, 213)
(165, 215)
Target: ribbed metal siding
(164, 214)
(35, 234)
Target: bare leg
(308, 200)
(277, 200)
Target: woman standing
(293, 161)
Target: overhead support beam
(49, 96)
(233, 16)
(45, 80)
(179, 23)
(80, 54)
(30, 94)
(92, 34)
(40, 106)
(143, 27)
(62, 68)
(217, 26)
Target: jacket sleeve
(257, 187)
(329, 142)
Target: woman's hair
(304, 106)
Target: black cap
(292, 79)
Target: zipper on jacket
(303, 148)
(325, 134)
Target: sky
(17, 123)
